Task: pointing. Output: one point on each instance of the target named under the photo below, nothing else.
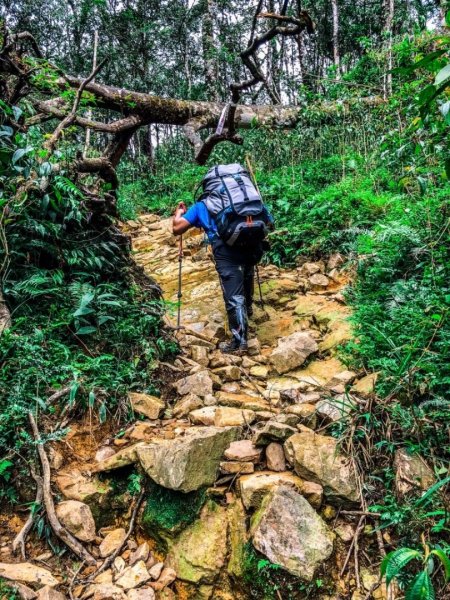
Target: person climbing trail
(236, 221)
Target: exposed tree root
(60, 532)
(21, 537)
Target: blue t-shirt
(198, 216)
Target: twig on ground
(110, 559)
(354, 540)
(60, 532)
(72, 581)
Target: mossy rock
(168, 512)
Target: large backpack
(236, 206)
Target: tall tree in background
(388, 33)
(336, 53)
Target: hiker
(231, 212)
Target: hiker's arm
(179, 224)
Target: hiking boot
(233, 347)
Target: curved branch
(62, 533)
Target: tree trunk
(336, 54)
(209, 51)
(388, 33)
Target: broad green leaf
(19, 153)
(86, 330)
(447, 18)
(444, 560)
(443, 75)
(91, 400)
(426, 94)
(421, 588)
(395, 561)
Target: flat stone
(292, 351)
(200, 355)
(254, 347)
(317, 458)
(335, 261)
(134, 576)
(144, 404)
(49, 593)
(226, 416)
(73, 485)
(119, 564)
(141, 553)
(156, 570)
(305, 412)
(366, 385)
(145, 593)
(112, 541)
(259, 371)
(28, 573)
(337, 408)
(311, 268)
(234, 467)
(242, 401)
(199, 384)
(190, 462)
(200, 551)
(411, 472)
(275, 458)
(254, 487)
(273, 432)
(106, 591)
(318, 282)
(167, 577)
(291, 534)
(104, 453)
(228, 373)
(185, 405)
(77, 518)
(122, 458)
(243, 451)
(203, 416)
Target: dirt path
(236, 455)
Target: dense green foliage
(81, 321)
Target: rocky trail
(237, 455)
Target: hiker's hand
(181, 209)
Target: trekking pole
(259, 287)
(253, 178)
(180, 264)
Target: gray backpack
(236, 206)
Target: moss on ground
(167, 512)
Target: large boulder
(190, 462)
(290, 533)
(77, 518)
(200, 551)
(292, 351)
(317, 458)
